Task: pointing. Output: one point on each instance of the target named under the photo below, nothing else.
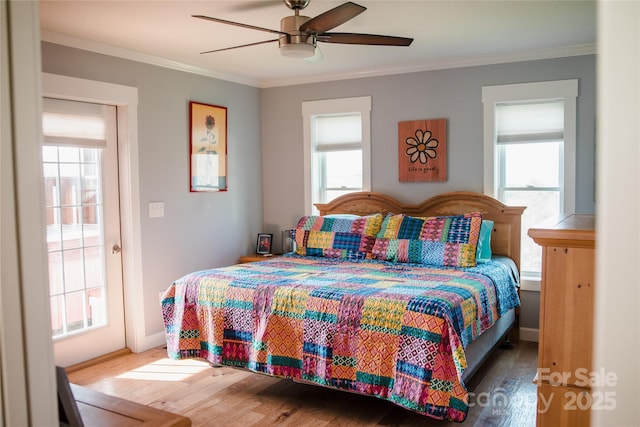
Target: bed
(379, 298)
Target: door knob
(116, 249)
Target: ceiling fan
(298, 35)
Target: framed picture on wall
(207, 147)
(422, 150)
(264, 244)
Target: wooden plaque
(422, 150)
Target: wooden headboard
(505, 239)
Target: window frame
(566, 90)
(310, 109)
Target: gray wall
(454, 94)
(199, 230)
(202, 230)
(530, 309)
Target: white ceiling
(446, 34)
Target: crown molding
(107, 49)
(529, 55)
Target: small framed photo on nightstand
(264, 244)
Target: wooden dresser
(566, 320)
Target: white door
(80, 165)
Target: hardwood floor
(502, 393)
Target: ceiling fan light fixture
(299, 50)
(298, 35)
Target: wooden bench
(101, 410)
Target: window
(337, 145)
(529, 157)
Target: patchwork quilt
(392, 330)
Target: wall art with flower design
(208, 147)
(422, 150)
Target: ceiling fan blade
(242, 45)
(369, 39)
(332, 18)
(238, 24)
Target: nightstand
(255, 258)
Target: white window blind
(73, 123)
(340, 132)
(530, 122)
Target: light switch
(156, 209)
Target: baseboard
(529, 334)
(97, 360)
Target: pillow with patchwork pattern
(441, 241)
(336, 237)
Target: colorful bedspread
(395, 331)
